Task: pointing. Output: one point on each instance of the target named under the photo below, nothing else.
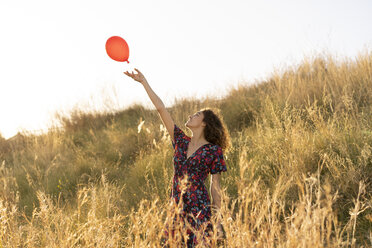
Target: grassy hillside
(299, 170)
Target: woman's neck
(199, 141)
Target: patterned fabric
(206, 159)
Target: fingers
(138, 72)
(128, 73)
(131, 74)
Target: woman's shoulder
(179, 130)
(179, 135)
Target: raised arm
(168, 122)
(158, 103)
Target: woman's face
(195, 120)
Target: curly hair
(215, 131)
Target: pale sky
(53, 57)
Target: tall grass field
(299, 167)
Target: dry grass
(256, 218)
(299, 170)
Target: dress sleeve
(179, 136)
(218, 164)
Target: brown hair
(215, 131)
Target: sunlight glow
(53, 53)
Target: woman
(194, 158)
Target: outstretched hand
(139, 77)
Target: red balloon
(117, 49)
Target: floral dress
(195, 199)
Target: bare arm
(216, 191)
(216, 196)
(158, 103)
(168, 122)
